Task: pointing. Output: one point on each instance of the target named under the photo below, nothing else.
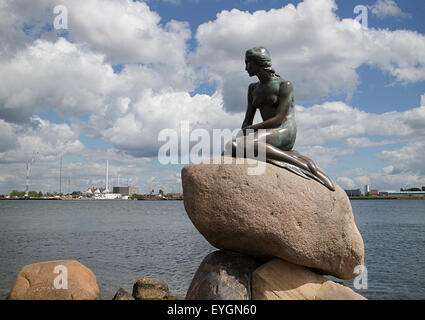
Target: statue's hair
(261, 57)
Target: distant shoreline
(388, 198)
(28, 199)
(181, 199)
(41, 199)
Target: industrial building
(353, 193)
(126, 191)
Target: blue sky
(123, 71)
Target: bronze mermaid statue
(274, 97)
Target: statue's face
(250, 67)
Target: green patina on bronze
(273, 96)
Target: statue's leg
(313, 167)
(316, 170)
(294, 158)
(232, 146)
(272, 152)
(238, 146)
(301, 162)
(241, 144)
(228, 149)
(286, 156)
(325, 179)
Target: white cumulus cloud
(60, 76)
(310, 46)
(385, 8)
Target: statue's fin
(297, 170)
(292, 168)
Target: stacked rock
(277, 214)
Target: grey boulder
(223, 275)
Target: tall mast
(27, 179)
(107, 173)
(69, 187)
(60, 177)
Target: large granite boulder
(281, 280)
(223, 275)
(275, 214)
(55, 280)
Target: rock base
(226, 275)
(55, 280)
(223, 275)
(281, 280)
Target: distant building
(374, 192)
(126, 191)
(353, 193)
(366, 189)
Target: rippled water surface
(121, 241)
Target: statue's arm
(285, 94)
(282, 108)
(250, 110)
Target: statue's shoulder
(252, 86)
(286, 85)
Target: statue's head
(258, 57)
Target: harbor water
(121, 241)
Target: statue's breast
(264, 101)
(265, 96)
